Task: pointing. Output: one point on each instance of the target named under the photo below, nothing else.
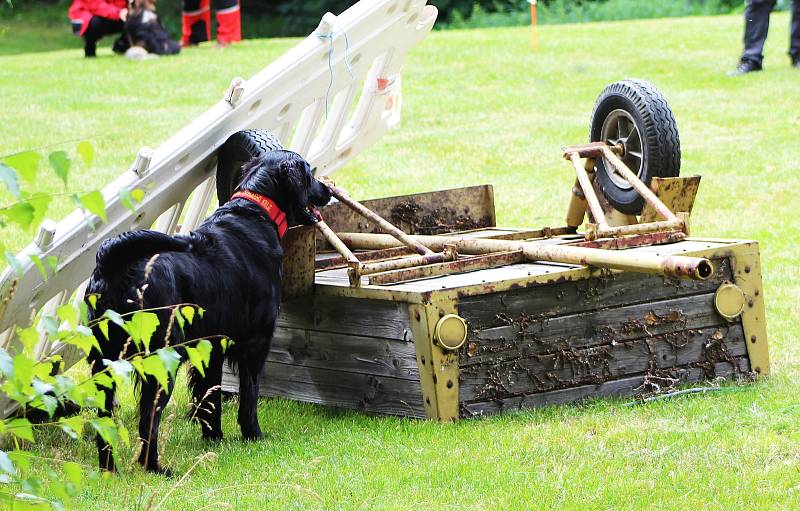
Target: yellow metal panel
(677, 193)
(438, 367)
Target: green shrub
(578, 11)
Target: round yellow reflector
(450, 332)
(729, 301)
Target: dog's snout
(320, 194)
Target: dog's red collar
(268, 205)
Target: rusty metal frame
(585, 197)
(357, 268)
(468, 263)
(674, 266)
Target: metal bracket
(602, 228)
(438, 366)
(235, 92)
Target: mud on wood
(574, 367)
(593, 332)
(621, 387)
(422, 213)
(561, 297)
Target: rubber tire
(661, 146)
(240, 148)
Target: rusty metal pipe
(650, 227)
(638, 185)
(407, 262)
(335, 242)
(696, 268)
(362, 210)
(588, 192)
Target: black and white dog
(231, 267)
(144, 31)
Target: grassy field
(479, 107)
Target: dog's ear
(294, 172)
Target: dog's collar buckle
(268, 205)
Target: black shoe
(796, 62)
(744, 67)
(90, 51)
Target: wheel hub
(620, 129)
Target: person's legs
(196, 22)
(756, 26)
(794, 41)
(98, 28)
(229, 22)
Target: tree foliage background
(271, 18)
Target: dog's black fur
(143, 28)
(231, 267)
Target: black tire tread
(238, 149)
(659, 132)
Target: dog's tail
(118, 253)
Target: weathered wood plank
(436, 212)
(350, 353)
(580, 366)
(370, 393)
(621, 387)
(529, 335)
(570, 297)
(351, 316)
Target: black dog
(144, 29)
(231, 267)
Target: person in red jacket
(197, 21)
(94, 19)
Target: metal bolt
(142, 162)
(44, 238)
(416, 315)
(750, 303)
(753, 339)
(747, 269)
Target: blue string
(329, 37)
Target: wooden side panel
(569, 297)
(572, 367)
(459, 209)
(571, 340)
(613, 388)
(350, 316)
(343, 352)
(377, 394)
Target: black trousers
(98, 28)
(756, 26)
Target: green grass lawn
(479, 107)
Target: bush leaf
(60, 163)
(141, 327)
(86, 152)
(9, 177)
(94, 203)
(26, 163)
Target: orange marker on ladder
(534, 42)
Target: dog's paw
(162, 471)
(252, 436)
(212, 436)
